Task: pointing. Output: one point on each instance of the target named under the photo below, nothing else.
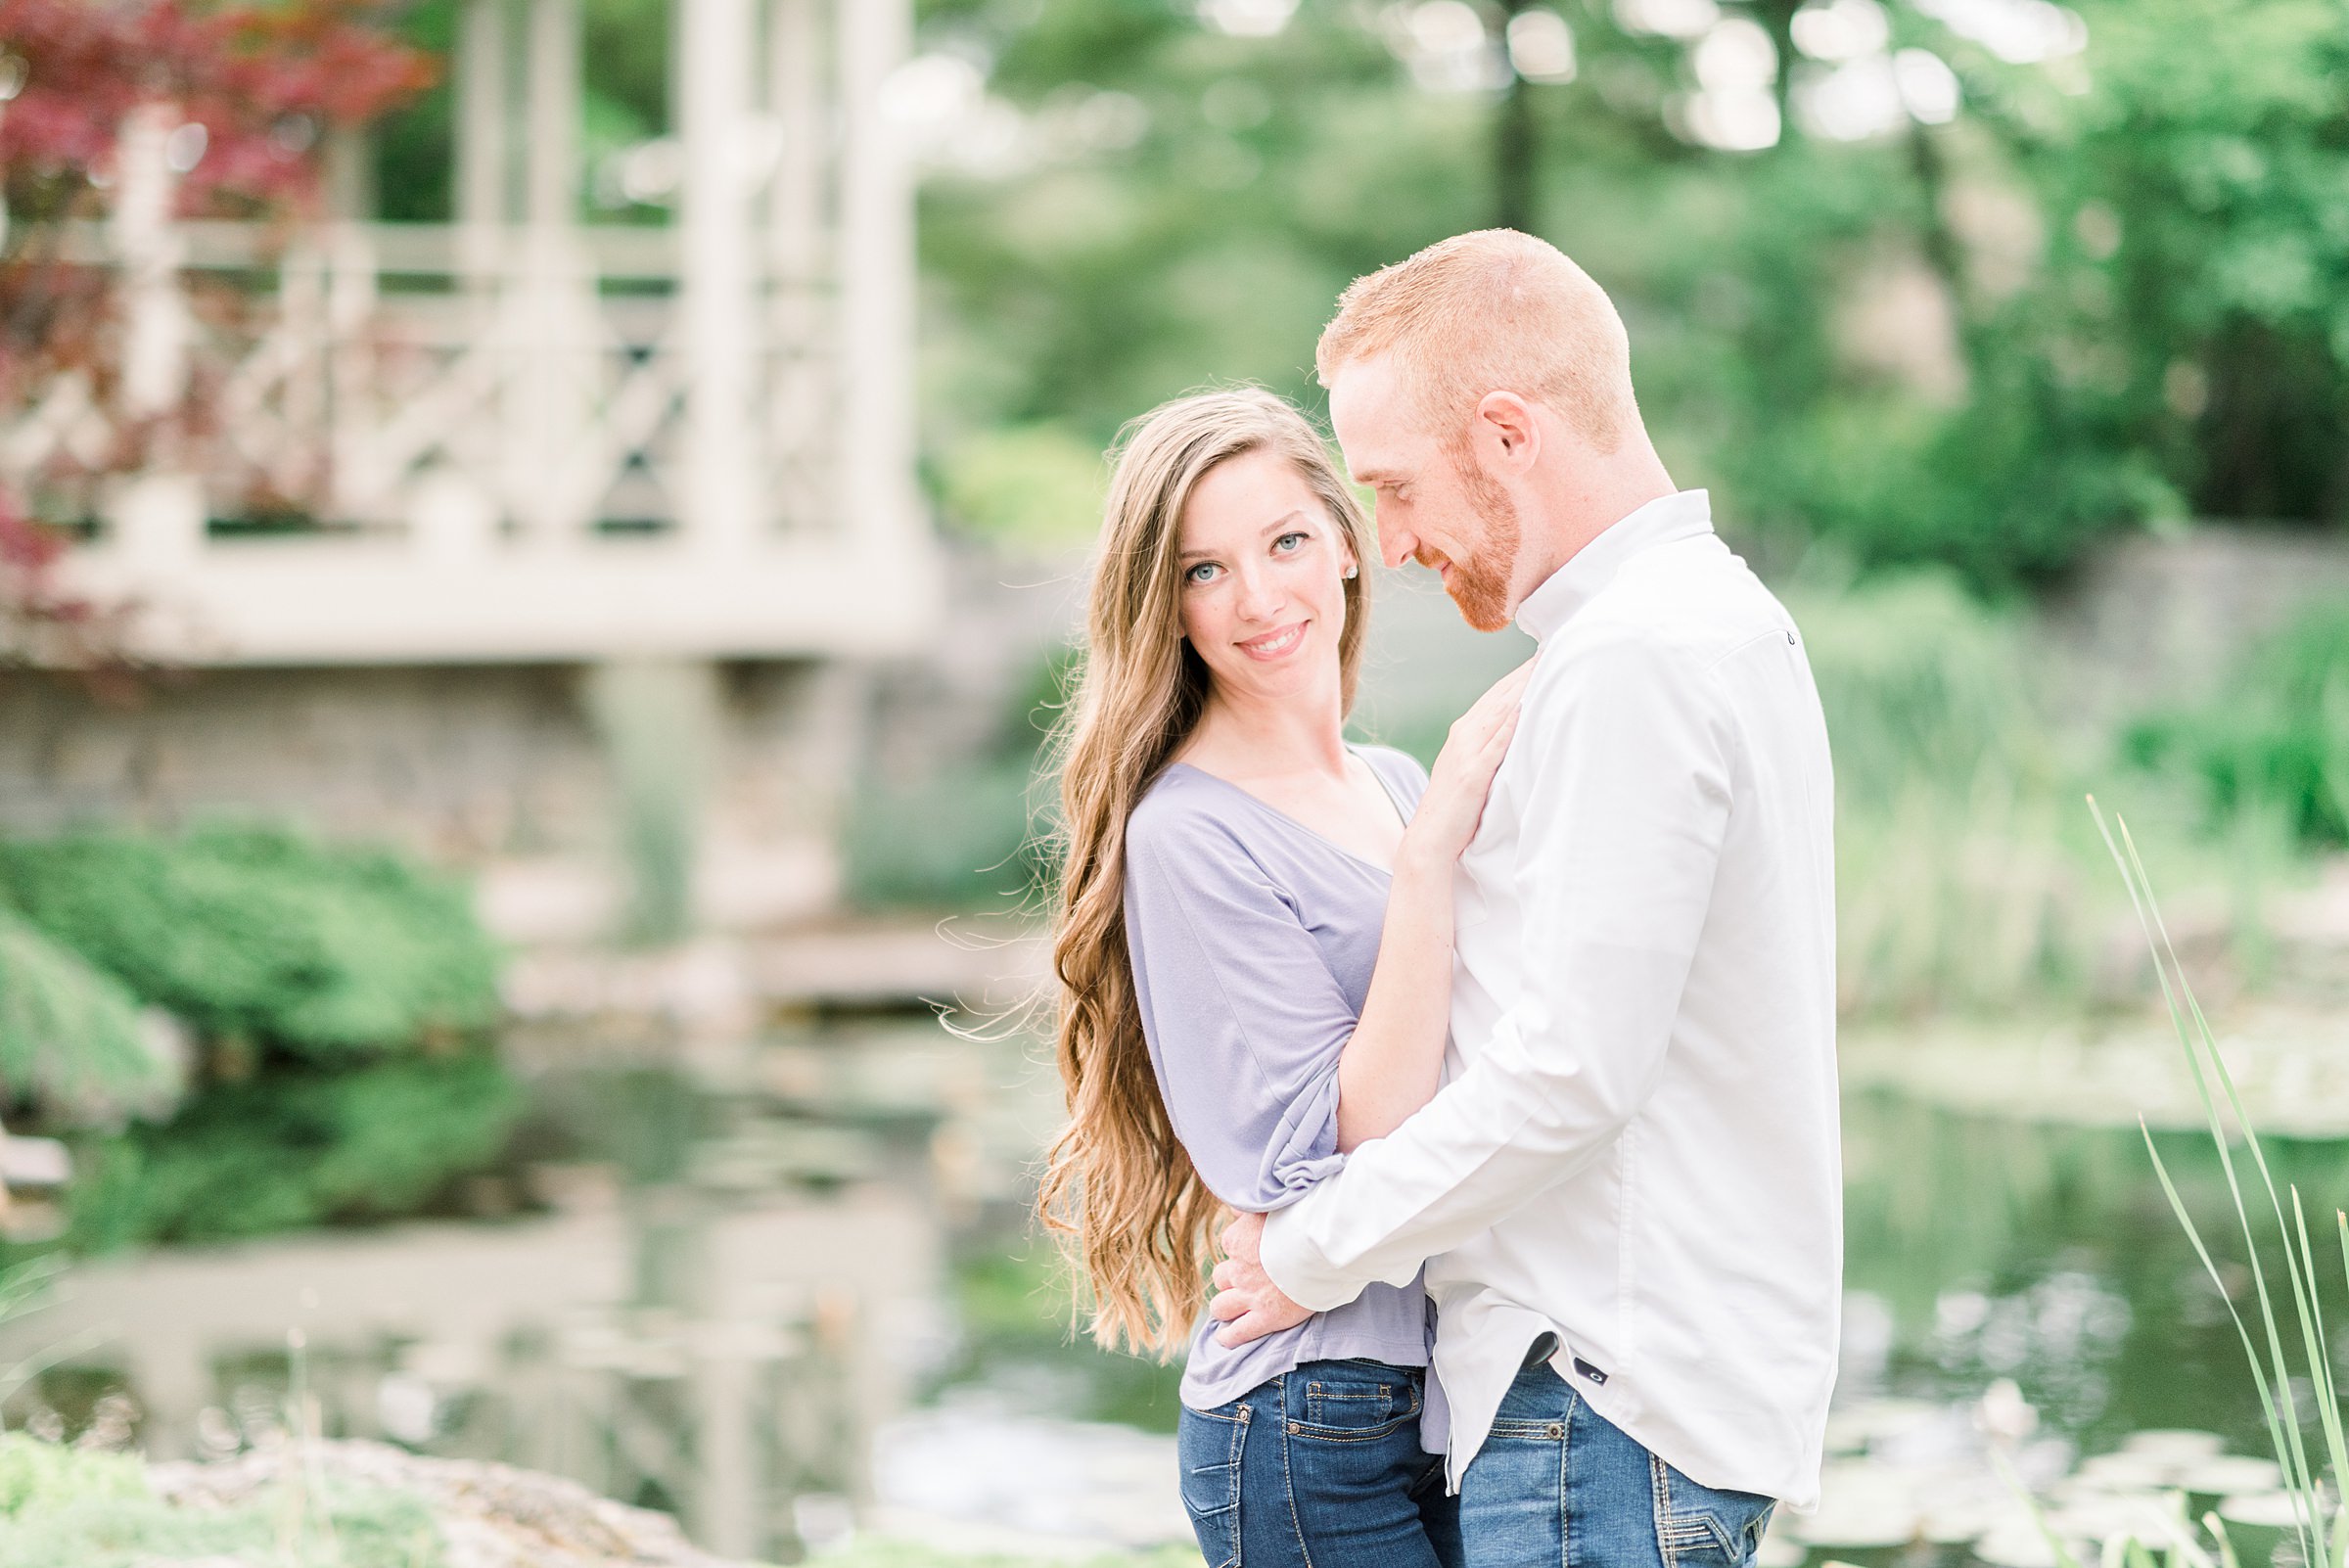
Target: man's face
(1434, 504)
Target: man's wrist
(1295, 1265)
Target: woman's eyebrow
(1278, 524)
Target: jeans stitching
(1322, 1432)
(1288, 1477)
(1660, 1505)
(1676, 1531)
(1239, 1443)
(1565, 1426)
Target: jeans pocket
(1208, 1444)
(1352, 1406)
(1706, 1527)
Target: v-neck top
(1253, 939)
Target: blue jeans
(1557, 1486)
(1318, 1468)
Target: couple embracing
(1507, 1095)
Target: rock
(490, 1515)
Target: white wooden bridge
(516, 438)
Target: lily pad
(2273, 1510)
(2127, 1470)
(2175, 1443)
(2229, 1474)
(2017, 1543)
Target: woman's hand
(1462, 777)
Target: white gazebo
(519, 438)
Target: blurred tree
(1963, 281)
(254, 91)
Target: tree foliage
(2126, 269)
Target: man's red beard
(1480, 585)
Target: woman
(1248, 997)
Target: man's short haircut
(1495, 310)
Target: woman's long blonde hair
(1118, 1189)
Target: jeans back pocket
(1208, 1445)
(1705, 1527)
(1353, 1407)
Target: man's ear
(1504, 428)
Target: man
(1628, 1195)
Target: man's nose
(1396, 543)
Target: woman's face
(1263, 567)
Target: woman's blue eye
(1291, 542)
(1194, 575)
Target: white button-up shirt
(1637, 1145)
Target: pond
(793, 1289)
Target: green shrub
(1963, 880)
(1919, 682)
(321, 952)
(2274, 739)
(37, 1476)
(75, 1508)
(293, 1148)
(69, 1034)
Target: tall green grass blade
(2300, 1262)
(2267, 1404)
(2301, 1476)
(2218, 1530)
(2320, 1361)
(2065, 1557)
(2178, 997)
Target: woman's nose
(1261, 595)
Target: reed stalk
(2320, 1527)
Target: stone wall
(2155, 619)
(504, 771)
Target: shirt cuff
(1298, 1267)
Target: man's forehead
(1365, 410)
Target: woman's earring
(1353, 571)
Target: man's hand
(1247, 1303)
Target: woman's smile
(1277, 643)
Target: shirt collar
(1682, 515)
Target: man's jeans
(1318, 1468)
(1557, 1486)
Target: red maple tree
(254, 89)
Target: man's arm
(1627, 799)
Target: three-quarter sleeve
(1244, 1019)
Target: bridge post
(718, 301)
(876, 284)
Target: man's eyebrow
(1278, 524)
(1375, 476)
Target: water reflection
(791, 1284)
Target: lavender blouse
(1253, 939)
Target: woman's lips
(1274, 644)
